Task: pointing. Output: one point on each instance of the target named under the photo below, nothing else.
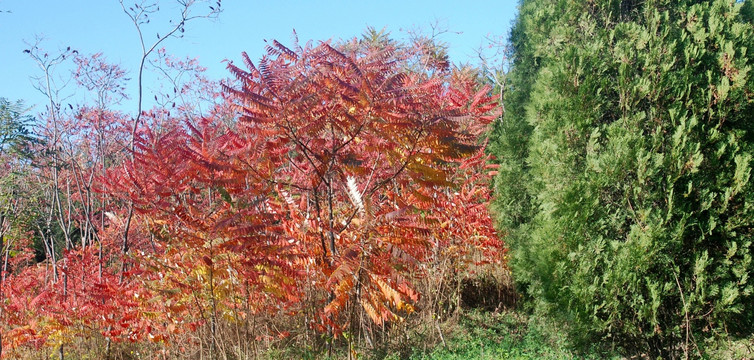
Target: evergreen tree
(625, 179)
(14, 134)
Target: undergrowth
(505, 335)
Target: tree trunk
(2, 244)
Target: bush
(629, 196)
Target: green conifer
(625, 179)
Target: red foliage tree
(363, 151)
(332, 176)
(339, 172)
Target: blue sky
(92, 26)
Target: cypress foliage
(625, 179)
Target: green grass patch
(507, 335)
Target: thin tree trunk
(2, 245)
(2, 283)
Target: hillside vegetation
(367, 199)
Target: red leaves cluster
(85, 304)
(341, 175)
(369, 151)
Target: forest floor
(503, 335)
(514, 334)
(472, 334)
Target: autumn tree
(73, 289)
(364, 147)
(333, 186)
(321, 185)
